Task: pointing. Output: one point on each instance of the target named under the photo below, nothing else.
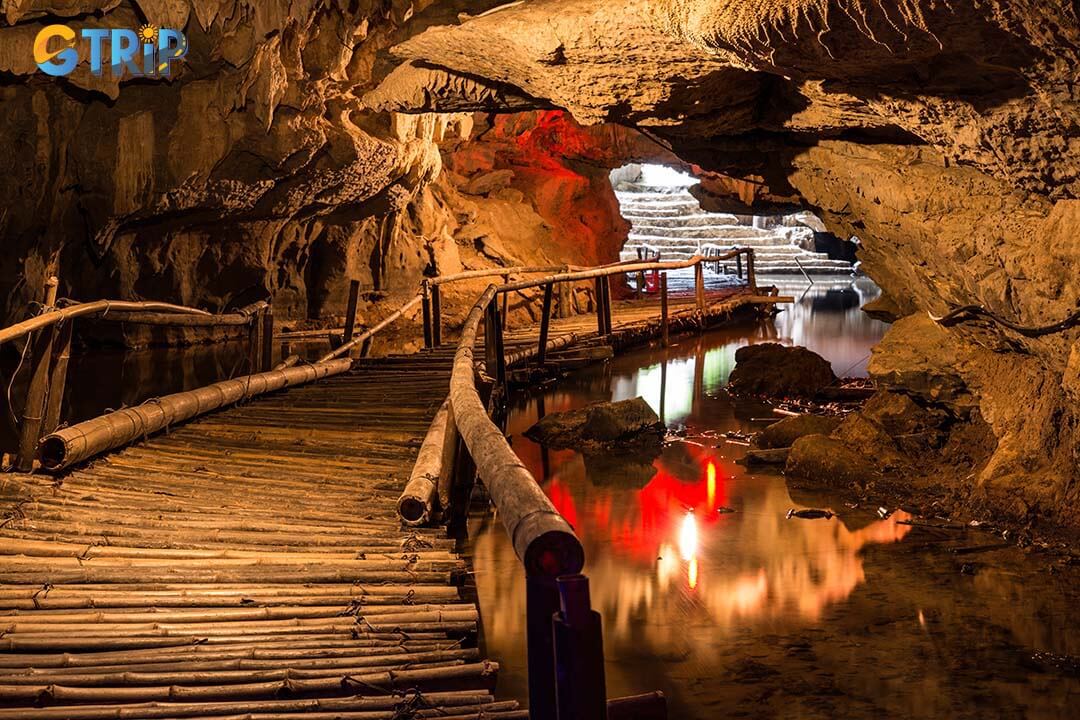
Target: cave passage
(759, 316)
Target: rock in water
(779, 371)
(627, 423)
(784, 433)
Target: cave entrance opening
(667, 220)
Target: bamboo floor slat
(250, 564)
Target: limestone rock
(776, 370)
(829, 462)
(625, 423)
(784, 433)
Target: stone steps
(670, 221)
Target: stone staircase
(669, 220)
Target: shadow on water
(708, 593)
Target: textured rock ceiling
(946, 135)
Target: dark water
(746, 613)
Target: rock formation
(943, 134)
(303, 143)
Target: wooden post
(641, 284)
(699, 286)
(580, 685)
(738, 265)
(61, 351)
(663, 309)
(605, 284)
(350, 311)
(34, 409)
(268, 338)
(495, 357)
(598, 302)
(751, 275)
(541, 604)
(436, 315)
(426, 303)
(545, 322)
(565, 299)
(255, 343)
(505, 299)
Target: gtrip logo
(148, 52)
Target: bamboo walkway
(250, 564)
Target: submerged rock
(626, 423)
(783, 434)
(829, 461)
(779, 371)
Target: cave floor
(252, 561)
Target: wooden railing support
(580, 685)
(495, 355)
(436, 315)
(545, 324)
(505, 300)
(41, 351)
(566, 294)
(426, 306)
(605, 284)
(255, 331)
(58, 376)
(663, 309)
(738, 265)
(267, 333)
(699, 286)
(350, 311)
(751, 275)
(541, 604)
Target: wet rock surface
(776, 370)
(627, 424)
(784, 433)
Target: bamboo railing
(462, 442)
(565, 649)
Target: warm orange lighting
(691, 573)
(688, 537)
(710, 484)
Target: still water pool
(709, 594)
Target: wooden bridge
(252, 563)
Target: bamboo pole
(174, 709)
(436, 315)
(350, 311)
(362, 338)
(542, 539)
(545, 324)
(699, 286)
(418, 501)
(86, 439)
(191, 691)
(426, 315)
(267, 338)
(111, 310)
(58, 377)
(33, 416)
(664, 310)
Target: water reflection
(709, 593)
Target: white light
(663, 176)
(688, 537)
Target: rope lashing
(967, 312)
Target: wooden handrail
(632, 266)
(542, 539)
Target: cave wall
(257, 170)
(945, 135)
